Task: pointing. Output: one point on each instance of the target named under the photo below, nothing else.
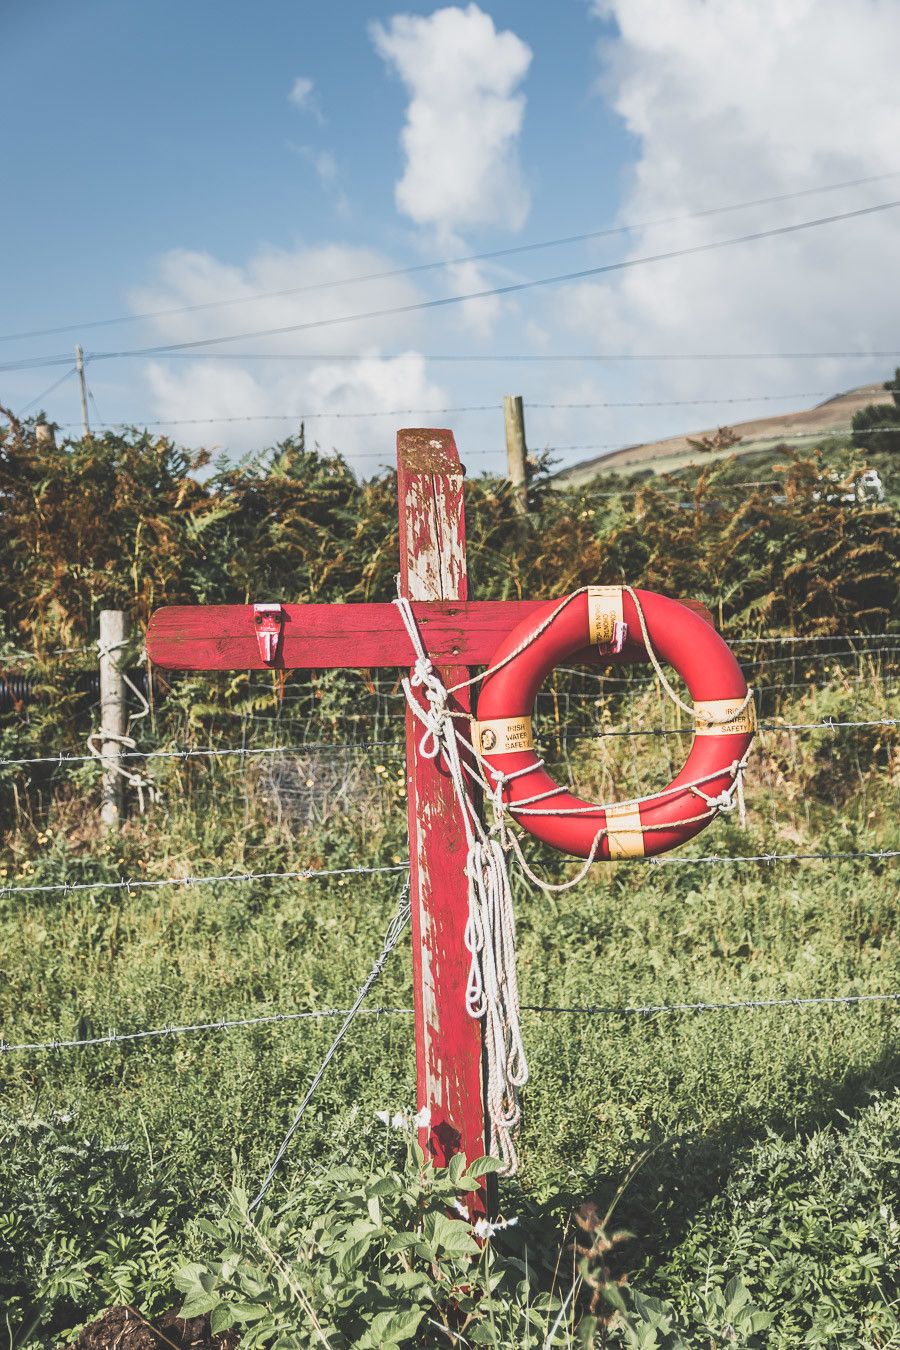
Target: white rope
(132, 777)
(707, 718)
(491, 988)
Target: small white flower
(460, 1209)
(422, 1119)
(383, 1116)
(485, 1229)
(399, 1121)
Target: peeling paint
(448, 1041)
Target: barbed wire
(91, 648)
(822, 637)
(651, 1009)
(882, 854)
(595, 1010)
(462, 408)
(239, 751)
(223, 1024)
(151, 883)
(129, 884)
(827, 724)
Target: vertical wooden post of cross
(448, 1040)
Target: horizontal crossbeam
(334, 637)
(329, 637)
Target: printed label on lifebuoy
(502, 735)
(605, 611)
(624, 834)
(737, 721)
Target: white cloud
(303, 95)
(737, 99)
(463, 120)
(222, 389)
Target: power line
(515, 357)
(49, 390)
(472, 358)
(467, 408)
(584, 237)
(512, 288)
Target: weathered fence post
(113, 633)
(514, 418)
(448, 1040)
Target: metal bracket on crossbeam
(269, 620)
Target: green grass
(750, 1120)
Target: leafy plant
(365, 1259)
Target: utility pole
(79, 366)
(514, 417)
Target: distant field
(831, 418)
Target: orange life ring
(615, 619)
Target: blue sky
(154, 157)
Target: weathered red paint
(326, 637)
(448, 1041)
(331, 637)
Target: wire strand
(583, 237)
(828, 724)
(273, 1019)
(222, 878)
(489, 292)
(313, 873)
(650, 1009)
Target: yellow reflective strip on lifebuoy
(605, 610)
(738, 721)
(623, 831)
(501, 735)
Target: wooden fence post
(514, 418)
(113, 633)
(448, 1040)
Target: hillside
(831, 418)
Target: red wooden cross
(458, 633)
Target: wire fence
(555, 709)
(588, 1010)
